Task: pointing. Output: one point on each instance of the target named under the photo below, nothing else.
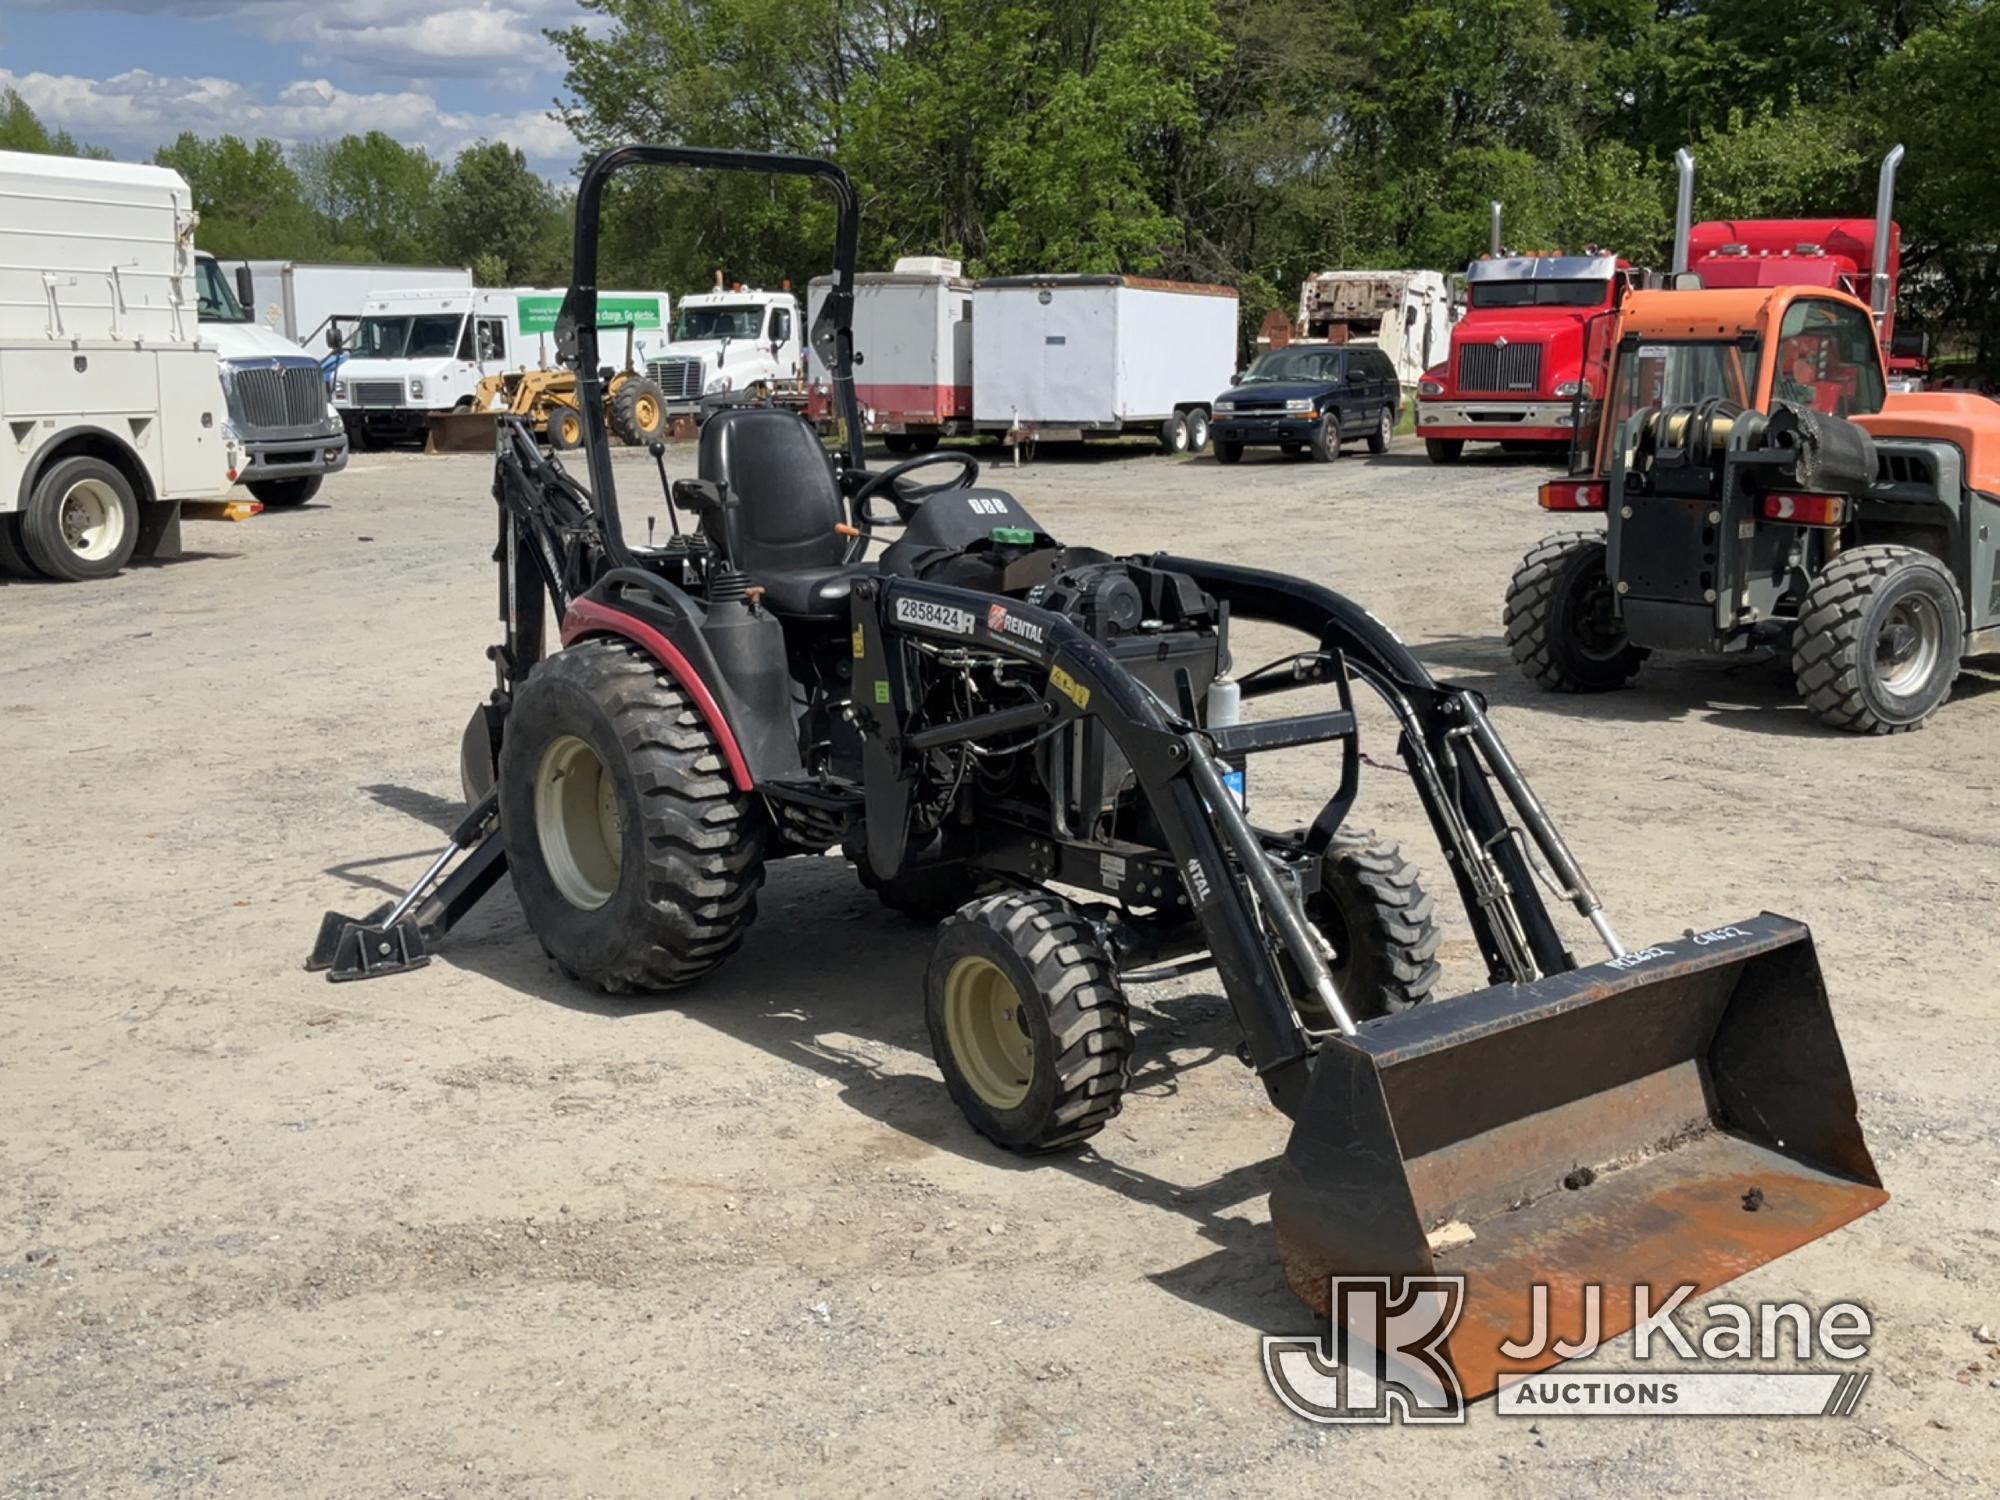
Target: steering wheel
(906, 500)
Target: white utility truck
(306, 300)
(912, 350)
(730, 345)
(415, 353)
(113, 414)
(285, 435)
(1408, 315)
(1065, 357)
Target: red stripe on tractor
(587, 618)
(915, 403)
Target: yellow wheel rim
(987, 1032)
(647, 413)
(569, 426)
(578, 823)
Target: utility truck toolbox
(1077, 356)
(114, 413)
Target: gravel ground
(474, 1231)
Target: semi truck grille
(1493, 368)
(293, 396)
(377, 392)
(678, 378)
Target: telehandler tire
(1380, 922)
(635, 858)
(1028, 1021)
(1877, 645)
(639, 411)
(1560, 622)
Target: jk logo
(1383, 1358)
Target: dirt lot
(473, 1231)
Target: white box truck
(285, 437)
(112, 412)
(912, 348)
(415, 353)
(1408, 315)
(302, 300)
(1089, 356)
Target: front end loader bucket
(462, 432)
(1673, 1117)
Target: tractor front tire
(636, 859)
(1877, 645)
(639, 411)
(1381, 924)
(1027, 1021)
(1561, 622)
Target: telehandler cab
(1040, 743)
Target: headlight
(1428, 387)
(1223, 408)
(1299, 403)
(720, 383)
(1568, 389)
(416, 390)
(340, 390)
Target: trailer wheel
(81, 521)
(14, 560)
(565, 428)
(1877, 645)
(1562, 623)
(636, 860)
(1380, 922)
(278, 493)
(639, 411)
(1027, 1021)
(1385, 430)
(1444, 450)
(1174, 435)
(1197, 429)
(1325, 443)
(1227, 452)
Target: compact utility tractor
(1041, 748)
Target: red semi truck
(1518, 353)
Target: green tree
(21, 130)
(250, 200)
(497, 216)
(378, 195)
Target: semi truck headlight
(1569, 388)
(720, 383)
(1429, 387)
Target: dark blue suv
(1310, 398)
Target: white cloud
(136, 111)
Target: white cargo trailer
(1089, 356)
(299, 299)
(913, 350)
(111, 403)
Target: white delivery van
(1090, 356)
(912, 348)
(418, 352)
(304, 300)
(730, 344)
(1408, 315)
(285, 434)
(113, 414)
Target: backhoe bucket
(1674, 1117)
(462, 432)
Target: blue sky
(131, 74)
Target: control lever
(659, 451)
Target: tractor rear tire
(1877, 645)
(636, 859)
(1027, 1020)
(1381, 924)
(1444, 450)
(639, 411)
(1561, 626)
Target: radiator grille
(679, 378)
(1495, 369)
(291, 396)
(377, 392)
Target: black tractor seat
(774, 469)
